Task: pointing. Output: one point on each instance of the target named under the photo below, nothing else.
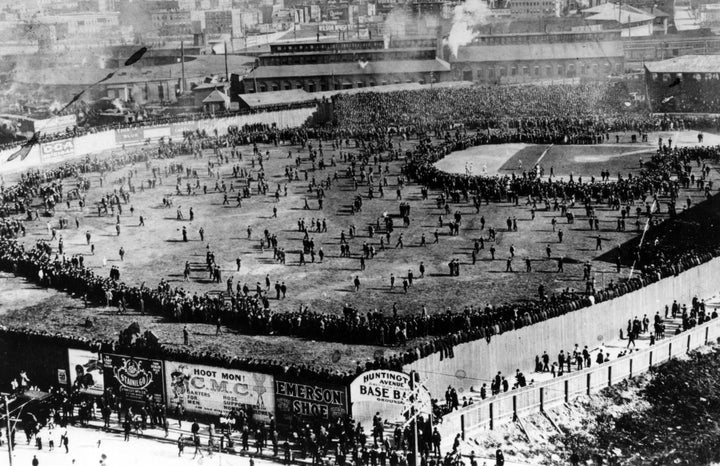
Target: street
(85, 451)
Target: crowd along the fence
(211, 391)
(16, 159)
(204, 390)
(488, 414)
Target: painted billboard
(387, 392)
(57, 151)
(177, 129)
(135, 378)
(311, 400)
(128, 136)
(214, 390)
(86, 371)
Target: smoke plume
(466, 17)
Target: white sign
(214, 390)
(57, 150)
(86, 369)
(387, 392)
(56, 124)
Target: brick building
(517, 58)
(328, 66)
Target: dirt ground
(156, 250)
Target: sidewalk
(615, 348)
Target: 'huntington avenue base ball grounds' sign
(386, 392)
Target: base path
(480, 160)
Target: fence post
(631, 361)
(567, 390)
(492, 418)
(670, 350)
(707, 331)
(515, 416)
(462, 425)
(688, 343)
(542, 399)
(650, 362)
(588, 383)
(609, 375)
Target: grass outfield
(157, 251)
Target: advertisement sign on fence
(86, 371)
(214, 390)
(55, 124)
(156, 132)
(135, 377)
(387, 392)
(57, 150)
(177, 129)
(128, 135)
(308, 400)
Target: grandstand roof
(686, 64)
(350, 68)
(552, 51)
(215, 96)
(623, 13)
(293, 96)
(264, 99)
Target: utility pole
(9, 434)
(414, 414)
(182, 67)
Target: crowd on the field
(589, 113)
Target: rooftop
(351, 68)
(215, 96)
(686, 64)
(80, 75)
(551, 51)
(623, 14)
(292, 96)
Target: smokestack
(227, 75)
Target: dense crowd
(156, 120)
(339, 438)
(512, 114)
(564, 108)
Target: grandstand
(687, 84)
